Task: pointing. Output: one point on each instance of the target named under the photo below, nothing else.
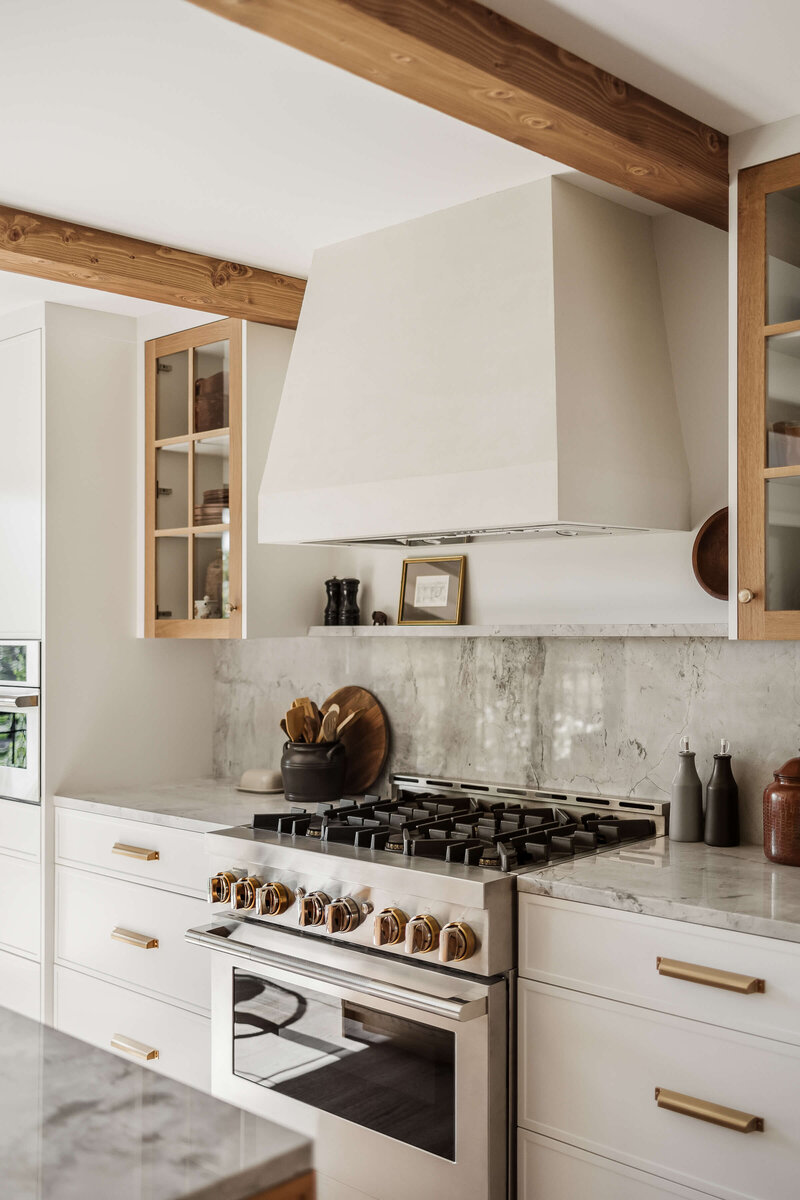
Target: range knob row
(421, 935)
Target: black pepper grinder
(348, 607)
(334, 589)
(722, 802)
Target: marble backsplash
(594, 714)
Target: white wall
(118, 710)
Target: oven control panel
(402, 925)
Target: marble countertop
(197, 804)
(78, 1122)
(736, 888)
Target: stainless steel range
(363, 989)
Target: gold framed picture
(432, 591)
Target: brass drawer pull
(141, 940)
(745, 985)
(135, 1049)
(704, 1110)
(134, 852)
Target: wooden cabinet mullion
(759, 337)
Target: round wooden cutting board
(366, 740)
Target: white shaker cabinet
(126, 891)
(21, 485)
(656, 1058)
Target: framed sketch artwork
(432, 591)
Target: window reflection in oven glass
(385, 1073)
(13, 740)
(13, 664)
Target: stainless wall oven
(20, 721)
(400, 1072)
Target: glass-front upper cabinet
(193, 510)
(769, 401)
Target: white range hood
(499, 369)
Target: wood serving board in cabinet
(366, 739)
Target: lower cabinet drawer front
(20, 904)
(614, 954)
(589, 1067)
(19, 827)
(157, 854)
(98, 1012)
(550, 1170)
(19, 985)
(90, 907)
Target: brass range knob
(389, 928)
(422, 934)
(273, 899)
(343, 915)
(243, 893)
(456, 943)
(312, 907)
(219, 887)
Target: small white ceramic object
(261, 780)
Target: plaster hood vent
(496, 370)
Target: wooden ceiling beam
(47, 247)
(466, 61)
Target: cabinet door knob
(230, 609)
(745, 596)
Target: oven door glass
(386, 1073)
(14, 740)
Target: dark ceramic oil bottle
(722, 802)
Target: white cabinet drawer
(88, 840)
(589, 1067)
(98, 1012)
(549, 1170)
(19, 828)
(90, 907)
(20, 905)
(19, 985)
(614, 954)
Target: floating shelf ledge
(698, 629)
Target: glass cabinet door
(769, 401)
(194, 509)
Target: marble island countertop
(78, 1123)
(736, 888)
(197, 804)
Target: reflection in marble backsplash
(602, 714)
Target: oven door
(398, 1072)
(19, 744)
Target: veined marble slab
(198, 804)
(78, 1123)
(736, 888)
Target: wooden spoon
(348, 721)
(328, 731)
(295, 719)
(309, 730)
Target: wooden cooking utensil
(353, 716)
(283, 726)
(366, 740)
(295, 721)
(309, 730)
(328, 731)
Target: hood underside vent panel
(467, 536)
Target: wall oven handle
(12, 704)
(452, 1007)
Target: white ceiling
(159, 120)
(730, 63)
(20, 291)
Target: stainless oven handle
(12, 703)
(452, 1008)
